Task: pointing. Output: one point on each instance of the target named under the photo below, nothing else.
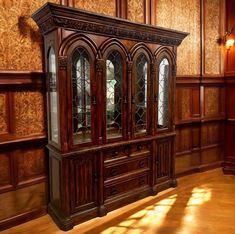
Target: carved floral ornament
(77, 20)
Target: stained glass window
(53, 96)
(140, 98)
(163, 94)
(81, 96)
(114, 95)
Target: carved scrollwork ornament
(62, 62)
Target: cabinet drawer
(140, 148)
(126, 186)
(116, 153)
(112, 171)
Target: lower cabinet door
(164, 156)
(83, 182)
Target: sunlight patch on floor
(145, 219)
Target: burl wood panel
(183, 15)
(3, 113)
(29, 113)
(30, 163)
(5, 169)
(20, 44)
(107, 7)
(212, 133)
(212, 101)
(135, 10)
(22, 200)
(212, 33)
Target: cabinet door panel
(163, 160)
(83, 185)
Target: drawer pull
(115, 153)
(139, 147)
(113, 172)
(141, 181)
(114, 191)
(141, 164)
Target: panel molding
(22, 79)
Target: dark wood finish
(22, 149)
(200, 123)
(91, 178)
(229, 164)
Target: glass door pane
(81, 97)
(163, 94)
(53, 95)
(114, 95)
(140, 98)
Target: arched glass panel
(140, 98)
(114, 95)
(53, 96)
(81, 97)
(163, 94)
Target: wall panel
(212, 31)
(20, 44)
(183, 15)
(107, 7)
(5, 170)
(135, 10)
(3, 113)
(29, 113)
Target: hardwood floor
(203, 203)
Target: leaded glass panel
(163, 94)
(114, 95)
(140, 98)
(81, 97)
(53, 95)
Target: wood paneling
(135, 10)
(212, 31)
(200, 115)
(107, 7)
(21, 201)
(31, 163)
(3, 113)
(21, 44)
(183, 15)
(29, 113)
(23, 158)
(5, 170)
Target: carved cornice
(52, 16)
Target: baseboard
(22, 218)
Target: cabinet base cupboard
(110, 104)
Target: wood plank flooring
(203, 203)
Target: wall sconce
(227, 39)
(229, 43)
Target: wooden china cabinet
(110, 99)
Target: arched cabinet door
(114, 93)
(82, 100)
(140, 95)
(52, 98)
(164, 93)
